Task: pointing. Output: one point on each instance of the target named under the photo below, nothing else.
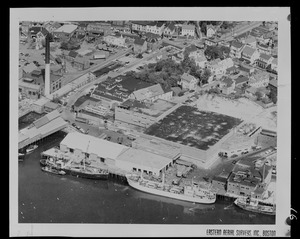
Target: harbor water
(49, 198)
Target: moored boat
(253, 205)
(53, 170)
(192, 193)
(87, 172)
(31, 148)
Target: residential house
(259, 79)
(274, 64)
(210, 30)
(64, 32)
(81, 63)
(188, 30)
(227, 86)
(264, 60)
(155, 28)
(153, 41)
(139, 46)
(200, 60)
(263, 48)
(241, 80)
(212, 41)
(81, 30)
(51, 26)
(33, 31)
(71, 56)
(140, 26)
(236, 49)
(150, 94)
(188, 50)
(273, 85)
(116, 41)
(188, 81)
(250, 41)
(29, 68)
(250, 54)
(40, 38)
(232, 70)
(219, 67)
(169, 30)
(176, 90)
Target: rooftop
(154, 109)
(249, 51)
(241, 79)
(265, 57)
(68, 28)
(148, 160)
(188, 27)
(150, 91)
(139, 41)
(93, 145)
(273, 82)
(143, 23)
(189, 126)
(187, 77)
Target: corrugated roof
(145, 159)
(93, 145)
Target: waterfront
(48, 198)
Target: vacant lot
(189, 126)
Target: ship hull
(98, 176)
(163, 193)
(254, 209)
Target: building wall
(30, 93)
(129, 166)
(134, 118)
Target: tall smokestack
(47, 66)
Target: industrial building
(41, 128)
(143, 114)
(95, 149)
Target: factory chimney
(47, 66)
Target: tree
(259, 95)
(273, 96)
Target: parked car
(234, 162)
(74, 125)
(245, 152)
(234, 156)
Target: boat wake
(228, 207)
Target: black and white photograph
(150, 121)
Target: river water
(49, 198)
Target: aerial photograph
(147, 122)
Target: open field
(194, 128)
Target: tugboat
(193, 193)
(31, 148)
(53, 170)
(253, 205)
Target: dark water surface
(48, 198)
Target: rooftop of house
(210, 26)
(81, 59)
(35, 30)
(265, 56)
(249, 51)
(153, 109)
(237, 44)
(160, 24)
(273, 82)
(44, 31)
(139, 41)
(151, 37)
(72, 54)
(260, 75)
(251, 90)
(228, 81)
(188, 27)
(187, 77)
(29, 68)
(32, 86)
(250, 39)
(190, 49)
(171, 26)
(67, 28)
(241, 79)
(275, 61)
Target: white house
(236, 49)
(250, 54)
(169, 29)
(259, 79)
(116, 41)
(188, 82)
(210, 31)
(188, 30)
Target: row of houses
(163, 28)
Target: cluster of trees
(167, 72)
(214, 52)
(69, 45)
